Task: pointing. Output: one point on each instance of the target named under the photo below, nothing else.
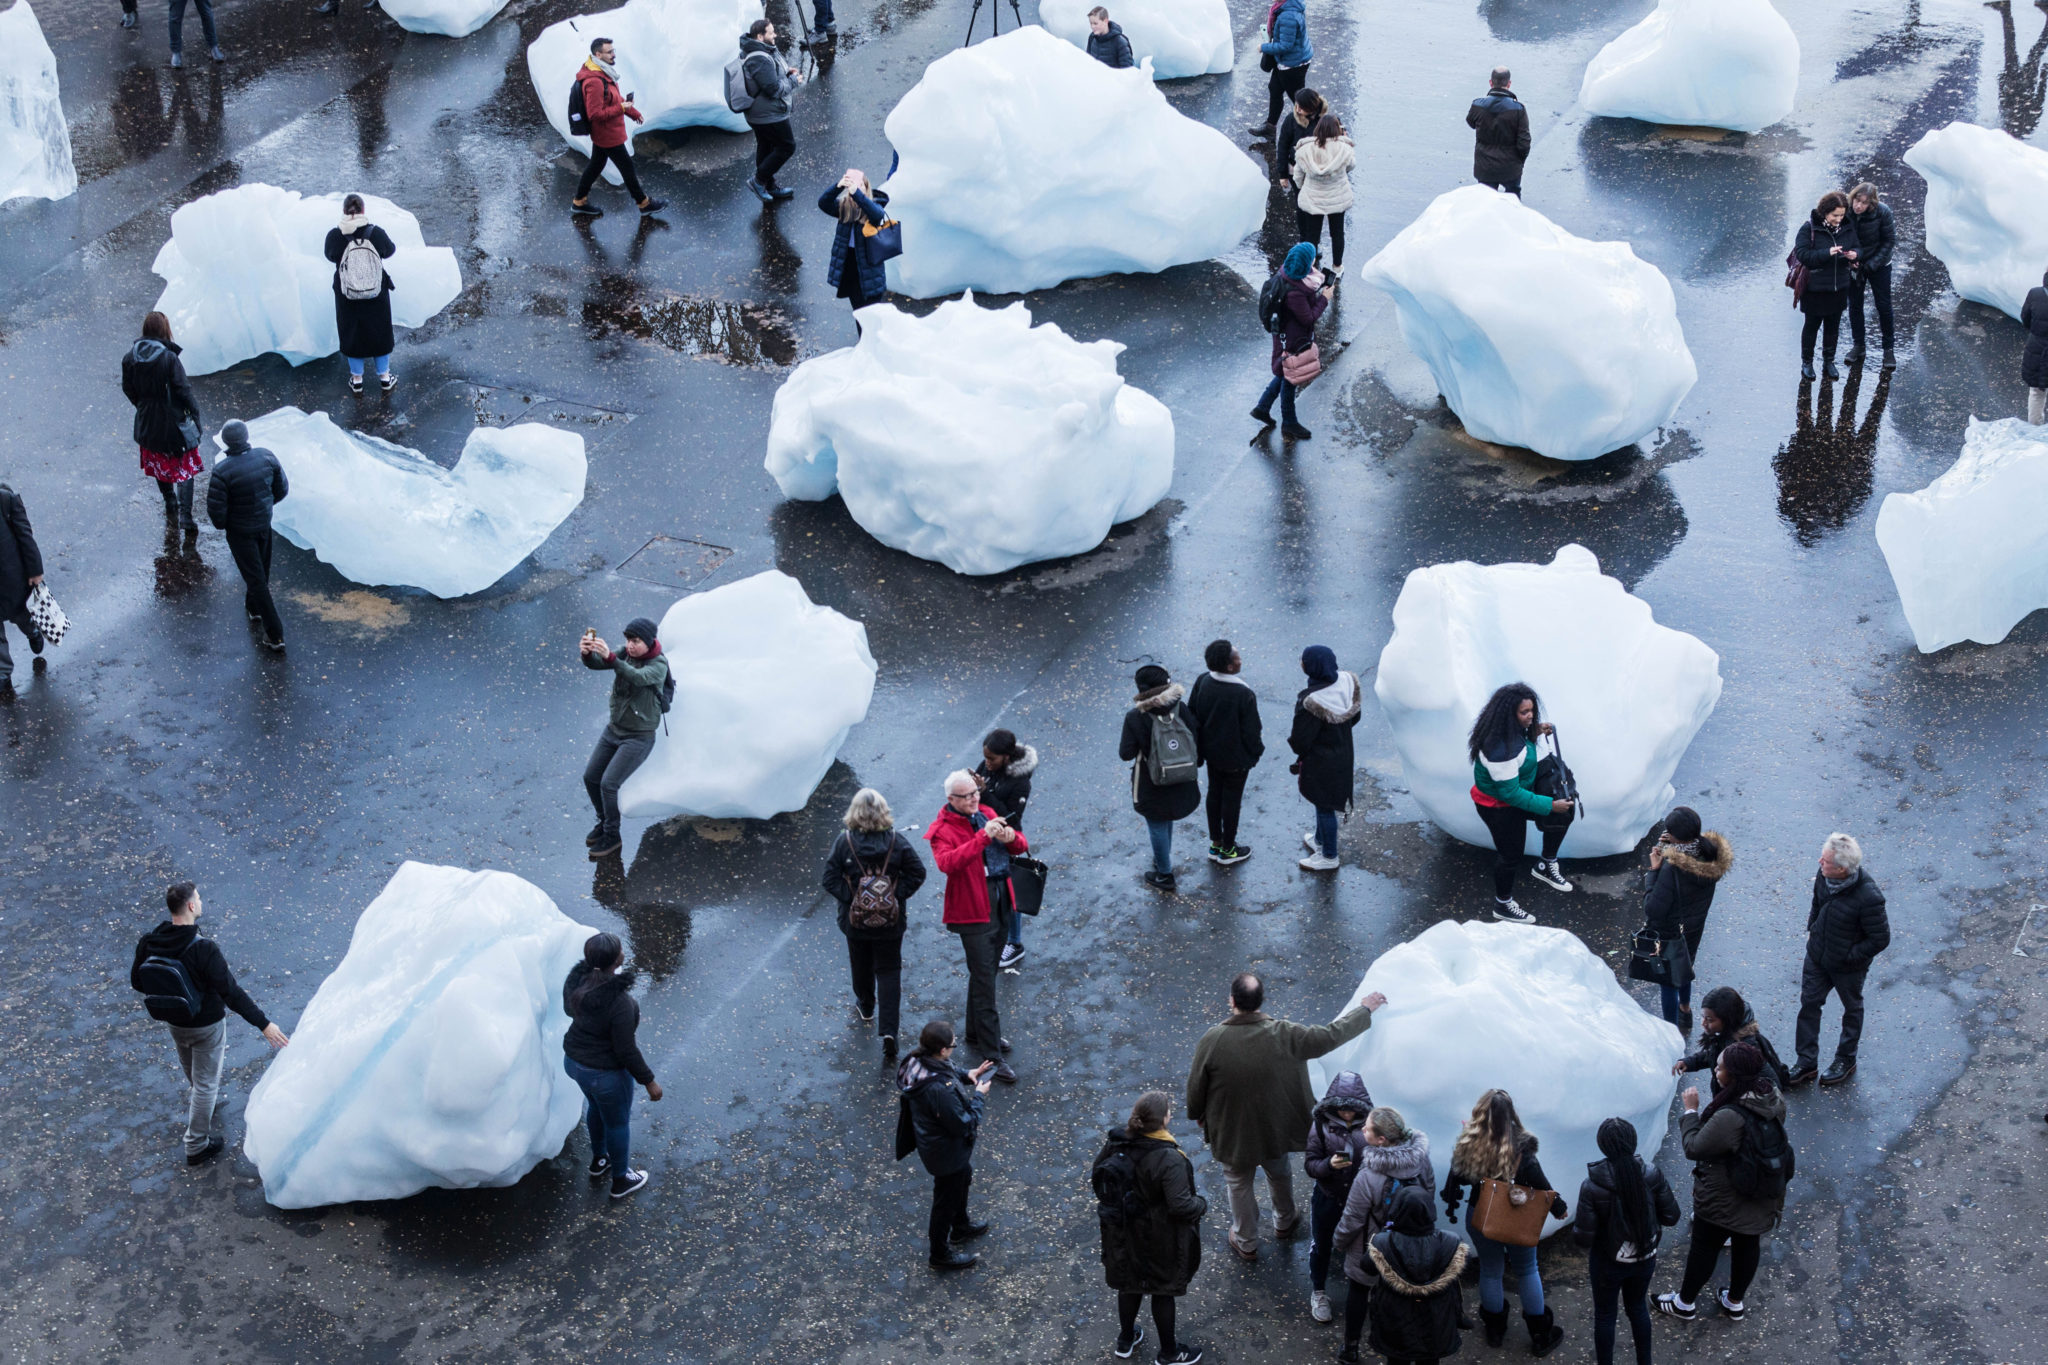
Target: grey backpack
(361, 269)
(1170, 759)
(738, 98)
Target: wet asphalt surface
(162, 744)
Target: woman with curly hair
(1495, 1146)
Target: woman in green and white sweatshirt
(1503, 751)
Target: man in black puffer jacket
(1228, 743)
(1500, 126)
(246, 484)
(1845, 929)
(1872, 218)
(1106, 41)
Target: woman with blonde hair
(872, 871)
(1495, 1146)
(850, 271)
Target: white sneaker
(1308, 841)
(1548, 872)
(1511, 912)
(1316, 862)
(1319, 1306)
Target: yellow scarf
(1163, 1136)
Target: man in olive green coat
(1249, 1091)
(638, 676)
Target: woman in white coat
(1322, 170)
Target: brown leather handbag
(1512, 1215)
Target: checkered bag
(49, 618)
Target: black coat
(2034, 317)
(153, 378)
(1528, 1174)
(1678, 894)
(877, 850)
(1712, 1045)
(1321, 740)
(1226, 723)
(1111, 48)
(603, 1024)
(1290, 133)
(938, 1114)
(1176, 802)
(364, 324)
(20, 559)
(207, 966)
(1159, 1250)
(1600, 1227)
(1009, 791)
(1826, 273)
(1500, 142)
(1846, 928)
(1875, 236)
(247, 482)
(1416, 1309)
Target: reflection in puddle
(1828, 465)
(180, 571)
(746, 334)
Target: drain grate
(674, 562)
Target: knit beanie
(1301, 258)
(235, 435)
(643, 630)
(1150, 676)
(1683, 824)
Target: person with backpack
(1286, 53)
(1151, 1221)
(1004, 775)
(21, 569)
(1875, 240)
(1495, 1146)
(1336, 1144)
(1325, 714)
(642, 689)
(938, 1116)
(1419, 1307)
(1742, 1161)
(1726, 1019)
(247, 484)
(852, 272)
(167, 427)
(1308, 108)
(601, 1053)
(1500, 135)
(1845, 931)
(1227, 742)
(872, 871)
(186, 985)
(768, 83)
(972, 845)
(1322, 171)
(1289, 305)
(1624, 1207)
(362, 293)
(1106, 41)
(1395, 1159)
(1828, 247)
(1158, 741)
(597, 109)
(1502, 747)
(1686, 863)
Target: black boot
(1496, 1326)
(185, 522)
(1544, 1333)
(1855, 356)
(1806, 369)
(170, 492)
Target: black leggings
(1815, 322)
(1311, 225)
(619, 157)
(1744, 1253)
(1356, 1302)
(774, 144)
(1281, 88)
(1510, 830)
(1162, 1319)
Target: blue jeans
(1494, 1260)
(1323, 1215)
(355, 364)
(824, 12)
(1162, 846)
(1674, 996)
(1326, 831)
(609, 1109)
(177, 8)
(1284, 391)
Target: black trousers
(1280, 90)
(774, 144)
(1744, 1251)
(1815, 981)
(982, 945)
(949, 1207)
(1512, 187)
(1510, 830)
(1615, 1286)
(1162, 1319)
(251, 550)
(1357, 1300)
(1824, 321)
(1226, 799)
(619, 157)
(877, 965)
(1311, 228)
(1880, 281)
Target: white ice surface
(246, 272)
(1969, 552)
(1537, 338)
(385, 514)
(1181, 37)
(35, 142)
(449, 18)
(768, 684)
(971, 437)
(1987, 211)
(671, 59)
(432, 1055)
(1516, 1007)
(1026, 162)
(1699, 63)
(1626, 694)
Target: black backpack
(1763, 1162)
(666, 693)
(1272, 295)
(1554, 779)
(579, 121)
(168, 991)
(1117, 1201)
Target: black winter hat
(1151, 675)
(643, 630)
(235, 435)
(1683, 824)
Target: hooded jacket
(363, 325)
(768, 81)
(2034, 317)
(1226, 712)
(1248, 1084)
(938, 1114)
(1708, 1146)
(1418, 1302)
(1178, 801)
(1678, 894)
(960, 849)
(603, 105)
(1826, 272)
(1846, 928)
(882, 850)
(1111, 48)
(874, 275)
(1712, 1045)
(1158, 1250)
(603, 1024)
(1322, 174)
(247, 483)
(1300, 306)
(219, 992)
(1329, 1135)
(1385, 1174)
(1500, 141)
(1324, 718)
(1287, 34)
(636, 688)
(20, 557)
(1601, 1229)
(153, 379)
(1009, 791)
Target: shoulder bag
(1027, 883)
(1509, 1214)
(881, 241)
(188, 423)
(1554, 779)
(1300, 368)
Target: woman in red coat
(972, 845)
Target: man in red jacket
(972, 846)
(607, 111)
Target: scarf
(352, 223)
(602, 65)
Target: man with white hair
(1845, 929)
(972, 846)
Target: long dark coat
(153, 379)
(1159, 1250)
(364, 324)
(1178, 801)
(1321, 740)
(1828, 277)
(20, 560)
(2034, 317)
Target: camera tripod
(995, 19)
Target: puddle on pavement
(745, 334)
(363, 612)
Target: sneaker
(1186, 1355)
(781, 192)
(605, 847)
(1838, 1072)
(212, 1149)
(1216, 852)
(1337, 271)
(585, 210)
(653, 206)
(274, 646)
(1127, 1342)
(1889, 363)
(355, 385)
(1676, 1307)
(1236, 853)
(864, 1013)
(1308, 841)
(1508, 910)
(177, 60)
(600, 1166)
(1732, 1307)
(387, 381)
(1319, 1306)
(629, 1183)
(761, 191)
(128, 19)
(1159, 881)
(1013, 953)
(1548, 872)
(888, 1047)
(1316, 862)
(1295, 431)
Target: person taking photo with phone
(938, 1116)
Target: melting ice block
(384, 514)
(1987, 211)
(1180, 37)
(246, 271)
(35, 142)
(1515, 1007)
(768, 683)
(971, 437)
(450, 18)
(432, 1056)
(1026, 162)
(1535, 337)
(1626, 694)
(1700, 63)
(671, 59)
(1969, 552)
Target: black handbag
(1656, 959)
(188, 425)
(1554, 779)
(1268, 62)
(1027, 883)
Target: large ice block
(246, 271)
(972, 437)
(1626, 694)
(1699, 63)
(432, 1055)
(449, 18)
(768, 684)
(1179, 37)
(1515, 1007)
(35, 142)
(1987, 211)
(384, 514)
(1969, 552)
(1026, 162)
(1535, 337)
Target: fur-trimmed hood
(1402, 1160)
(1161, 698)
(1024, 764)
(1715, 859)
(1336, 703)
(1391, 1278)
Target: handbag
(1509, 1214)
(1027, 883)
(881, 241)
(1554, 779)
(188, 424)
(1656, 959)
(1269, 61)
(1300, 368)
(1795, 276)
(49, 618)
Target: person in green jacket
(638, 676)
(1503, 752)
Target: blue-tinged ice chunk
(1987, 211)
(1702, 63)
(1179, 37)
(35, 142)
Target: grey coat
(768, 81)
(1365, 1210)
(1708, 1146)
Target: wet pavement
(161, 744)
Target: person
(1827, 245)
(200, 1036)
(1726, 1019)
(1306, 298)
(1500, 135)
(938, 1116)
(607, 110)
(21, 569)
(1495, 1146)
(1151, 1222)
(1875, 240)
(1288, 46)
(601, 1054)
(1325, 714)
(1322, 169)
(870, 848)
(1004, 776)
(1845, 930)
(1227, 743)
(362, 304)
(1502, 747)
(1248, 1092)
(1395, 1158)
(1158, 704)
(771, 82)
(167, 425)
(972, 845)
(826, 25)
(2034, 360)
(1686, 864)
(639, 677)
(1624, 1207)
(1420, 1304)
(1336, 1145)
(1722, 1215)
(1106, 41)
(246, 484)
(850, 273)
(177, 18)
(1305, 112)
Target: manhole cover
(674, 562)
